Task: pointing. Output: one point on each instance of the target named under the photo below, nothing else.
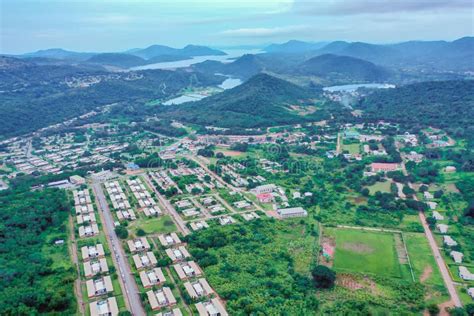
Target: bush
(323, 277)
(121, 232)
(433, 309)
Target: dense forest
(36, 276)
(41, 104)
(261, 101)
(444, 104)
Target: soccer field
(365, 252)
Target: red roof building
(384, 167)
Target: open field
(380, 186)
(365, 252)
(162, 224)
(352, 148)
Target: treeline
(444, 104)
(31, 280)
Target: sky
(119, 25)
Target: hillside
(117, 59)
(263, 100)
(442, 104)
(293, 46)
(59, 53)
(189, 50)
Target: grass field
(155, 225)
(352, 148)
(380, 186)
(365, 252)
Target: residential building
(384, 167)
(211, 308)
(178, 254)
(292, 212)
(161, 298)
(138, 244)
(152, 277)
(443, 228)
(449, 241)
(144, 260)
(88, 231)
(95, 267)
(91, 252)
(99, 287)
(106, 307)
(457, 256)
(199, 288)
(465, 274)
(168, 240)
(187, 270)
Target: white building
(292, 212)
(465, 274)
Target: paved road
(127, 281)
(437, 254)
(169, 208)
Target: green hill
(263, 100)
(342, 67)
(117, 59)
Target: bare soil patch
(357, 247)
(326, 255)
(426, 274)
(232, 153)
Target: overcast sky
(106, 25)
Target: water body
(354, 87)
(185, 98)
(230, 83)
(231, 55)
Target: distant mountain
(59, 53)
(166, 58)
(117, 59)
(294, 46)
(263, 100)
(431, 55)
(342, 67)
(189, 50)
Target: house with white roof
(211, 308)
(144, 260)
(187, 269)
(226, 220)
(88, 231)
(465, 274)
(457, 256)
(443, 228)
(99, 287)
(95, 267)
(470, 292)
(161, 298)
(152, 277)
(177, 254)
(138, 244)
(126, 215)
(432, 205)
(198, 225)
(199, 288)
(292, 212)
(437, 216)
(91, 252)
(106, 307)
(174, 312)
(168, 240)
(250, 216)
(449, 241)
(85, 218)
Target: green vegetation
(443, 104)
(365, 252)
(36, 275)
(163, 224)
(261, 101)
(252, 266)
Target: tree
(140, 232)
(470, 309)
(433, 309)
(121, 232)
(438, 194)
(323, 277)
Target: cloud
(355, 7)
(266, 32)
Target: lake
(354, 87)
(229, 83)
(231, 54)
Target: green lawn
(380, 186)
(365, 252)
(155, 225)
(352, 148)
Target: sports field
(365, 252)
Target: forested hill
(444, 104)
(342, 67)
(263, 100)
